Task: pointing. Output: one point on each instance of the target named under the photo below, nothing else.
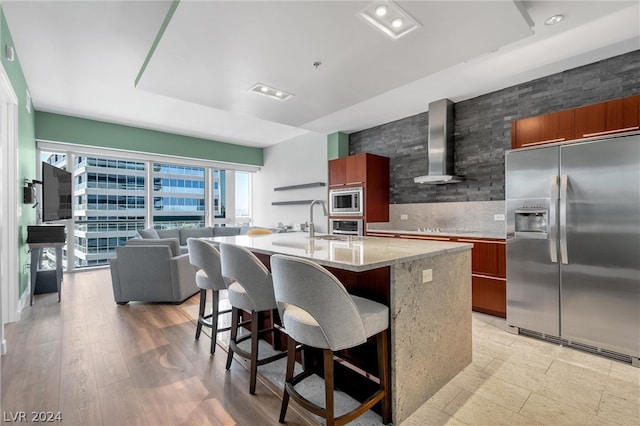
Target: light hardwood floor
(99, 363)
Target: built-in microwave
(345, 202)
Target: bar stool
(317, 311)
(252, 291)
(206, 258)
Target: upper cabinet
(606, 118)
(542, 129)
(369, 171)
(337, 172)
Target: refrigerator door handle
(553, 227)
(564, 183)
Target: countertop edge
(481, 235)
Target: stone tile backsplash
(483, 130)
(477, 216)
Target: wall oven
(347, 226)
(345, 202)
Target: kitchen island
(427, 286)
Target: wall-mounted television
(57, 193)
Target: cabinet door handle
(544, 142)
(491, 277)
(609, 132)
(418, 237)
(353, 183)
(464, 240)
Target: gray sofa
(152, 270)
(156, 267)
(183, 234)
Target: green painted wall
(62, 128)
(337, 145)
(26, 146)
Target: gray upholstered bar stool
(206, 258)
(252, 291)
(317, 311)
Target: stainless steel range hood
(440, 145)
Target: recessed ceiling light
(554, 19)
(263, 89)
(389, 18)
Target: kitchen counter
(356, 254)
(443, 233)
(427, 286)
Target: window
(178, 196)
(243, 197)
(112, 198)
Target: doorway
(9, 205)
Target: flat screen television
(56, 193)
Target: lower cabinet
(488, 270)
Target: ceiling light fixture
(381, 10)
(270, 92)
(554, 19)
(389, 18)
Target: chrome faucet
(312, 232)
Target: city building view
(110, 201)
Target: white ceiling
(82, 58)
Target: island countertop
(358, 254)
(427, 286)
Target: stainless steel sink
(332, 237)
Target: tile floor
(516, 379)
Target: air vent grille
(576, 345)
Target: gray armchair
(152, 271)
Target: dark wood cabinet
(369, 171)
(357, 169)
(337, 172)
(607, 118)
(542, 129)
(601, 119)
(488, 270)
(489, 275)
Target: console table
(36, 257)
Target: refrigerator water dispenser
(531, 223)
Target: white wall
(299, 160)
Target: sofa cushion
(173, 243)
(186, 233)
(169, 233)
(148, 233)
(226, 231)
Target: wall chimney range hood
(440, 145)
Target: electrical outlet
(427, 275)
(498, 217)
(404, 216)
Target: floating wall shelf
(286, 203)
(304, 185)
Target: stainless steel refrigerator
(573, 244)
